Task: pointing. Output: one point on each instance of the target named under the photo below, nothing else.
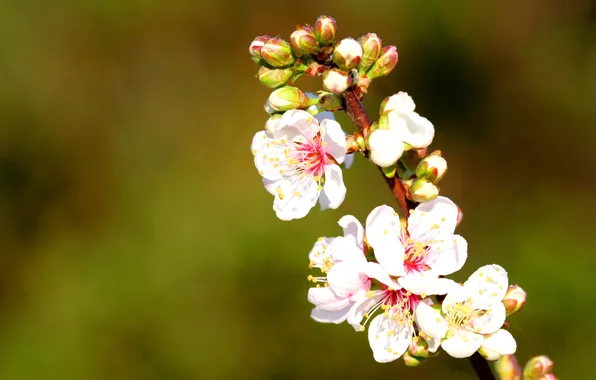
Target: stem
(355, 109)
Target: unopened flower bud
(548, 376)
(508, 368)
(385, 64)
(422, 190)
(538, 366)
(432, 168)
(371, 50)
(304, 41)
(386, 147)
(336, 81)
(277, 52)
(325, 28)
(419, 348)
(331, 102)
(514, 300)
(347, 54)
(255, 47)
(287, 98)
(412, 361)
(273, 78)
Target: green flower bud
(277, 53)
(371, 49)
(422, 190)
(347, 54)
(385, 64)
(331, 102)
(538, 366)
(514, 299)
(273, 78)
(507, 368)
(255, 48)
(304, 41)
(287, 98)
(325, 29)
(432, 168)
(336, 81)
(412, 361)
(419, 348)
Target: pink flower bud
(273, 78)
(432, 168)
(412, 361)
(336, 81)
(304, 41)
(514, 300)
(255, 47)
(508, 368)
(325, 29)
(277, 52)
(385, 64)
(371, 49)
(538, 366)
(347, 54)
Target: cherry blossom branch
(355, 109)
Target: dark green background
(136, 239)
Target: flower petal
(293, 200)
(492, 320)
(462, 344)
(386, 146)
(420, 130)
(334, 139)
(321, 254)
(265, 151)
(451, 254)
(388, 339)
(383, 232)
(400, 102)
(498, 344)
(303, 124)
(324, 298)
(345, 279)
(326, 316)
(334, 190)
(349, 160)
(345, 250)
(428, 219)
(456, 294)
(430, 321)
(426, 283)
(376, 271)
(362, 307)
(487, 285)
(353, 229)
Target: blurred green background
(136, 239)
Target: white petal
(383, 232)
(492, 320)
(386, 147)
(498, 344)
(326, 316)
(400, 102)
(345, 279)
(388, 339)
(487, 285)
(344, 249)
(353, 229)
(303, 122)
(433, 343)
(376, 271)
(349, 160)
(265, 152)
(426, 283)
(438, 216)
(334, 139)
(430, 321)
(362, 307)
(451, 254)
(420, 130)
(294, 200)
(462, 344)
(456, 294)
(334, 190)
(324, 298)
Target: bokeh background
(137, 242)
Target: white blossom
(415, 130)
(298, 158)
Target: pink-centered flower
(343, 282)
(298, 158)
(417, 252)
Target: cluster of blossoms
(387, 277)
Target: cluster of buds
(387, 276)
(315, 51)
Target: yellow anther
(361, 328)
(481, 291)
(369, 294)
(296, 193)
(489, 279)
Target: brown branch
(355, 109)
